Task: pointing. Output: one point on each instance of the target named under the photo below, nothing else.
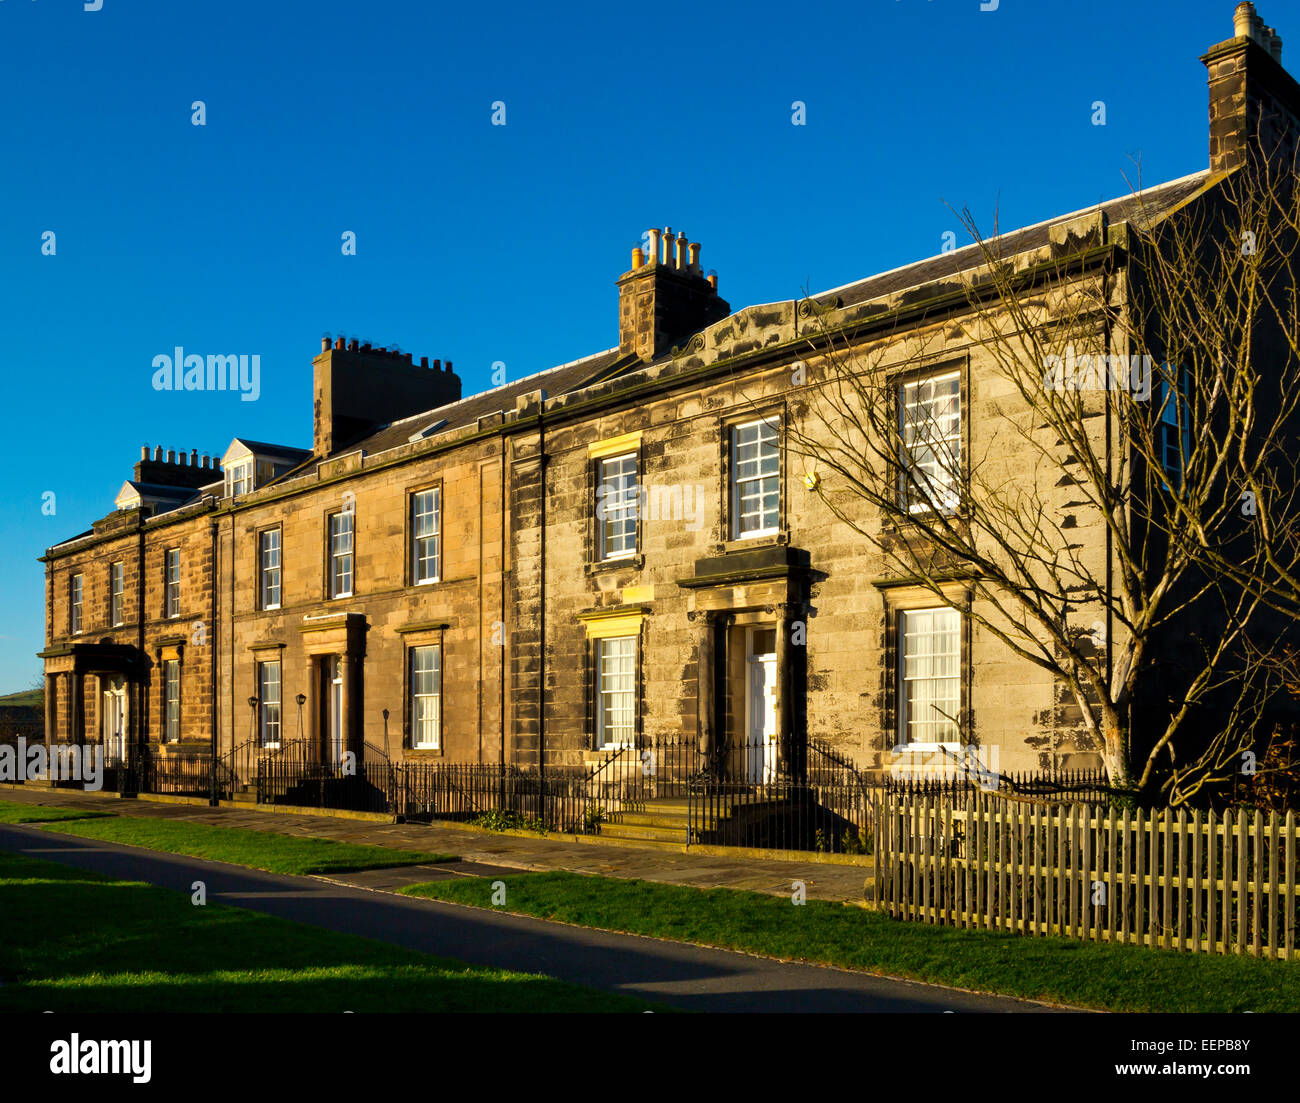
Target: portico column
(785, 751)
(706, 674)
(51, 709)
(77, 709)
(351, 735)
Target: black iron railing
(565, 799)
(174, 771)
(753, 799)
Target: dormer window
(239, 478)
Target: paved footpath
(822, 880)
(674, 973)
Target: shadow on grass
(76, 941)
(15, 812)
(1059, 970)
(266, 850)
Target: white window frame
(426, 696)
(116, 593)
(265, 570)
(270, 713)
(420, 541)
(338, 556)
(738, 483)
(930, 485)
(624, 733)
(241, 478)
(171, 701)
(952, 624)
(1175, 440)
(76, 596)
(172, 583)
(617, 503)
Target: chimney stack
(1254, 102)
(177, 469)
(663, 298)
(358, 387)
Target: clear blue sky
(479, 243)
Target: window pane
(426, 697)
(930, 660)
(426, 531)
(756, 478)
(270, 568)
(615, 696)
(268, 692)
(930, 413)
(116, 574)
(173, 583)
(340, 540)
(617, 502)
(171, 700)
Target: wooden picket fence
(1222, 883)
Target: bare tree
(1080, 490)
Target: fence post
(1288, 900)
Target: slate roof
(283, 451)
(561, 379)
(1152, 203)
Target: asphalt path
(691, 977)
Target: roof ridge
(492, 390)
(1018, 230)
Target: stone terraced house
(439, 577)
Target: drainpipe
(502, 587)
(213, 796)
(541, 612)
(142, 683)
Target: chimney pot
(194, 457)
(157, 453)
(437, 365)
(713, 280)
(680, 258)
(144, 451)
(667, 257)
(338, 342)
(171, 455)
(638, 258)
(424, 361)
(1243, 20)
(448, 366)
(695, 257)
(353, 345)
(654, 246)
(324, 344)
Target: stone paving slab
(505, 853)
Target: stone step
(653, 844)
(669, 806)
(655, 818)
(641, 832)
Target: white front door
(760, 741)
(114, 723)
(334, 672)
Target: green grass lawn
(75, 941)
(1084, 974)
(256, 849)
(15, 812)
